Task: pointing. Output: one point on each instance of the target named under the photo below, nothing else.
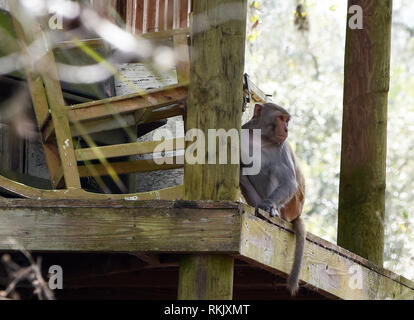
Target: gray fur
(277, 182)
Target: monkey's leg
(283, 193)
(249, 192)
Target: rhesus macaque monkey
(279, 187)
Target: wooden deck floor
(171, 228)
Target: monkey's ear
(258, 110)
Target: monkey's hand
(269, 206)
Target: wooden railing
(143, 16)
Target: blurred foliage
(303, 69)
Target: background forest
(297, 56)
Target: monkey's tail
(300, 232)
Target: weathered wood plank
(40, 105)
(330, 269)
(32, 30)
(99, 42)
(28, 192)
(183, 64)
(99, 115)
(166, 34)
(62, 128)
(330, 246)
(130, 167)
(121, 229)
(206, 277)
(214, 102)
(91, 43)
(127, 149)
(152, 114)
(127, 120)
(133, 102)
(194, 227)
(124, 203)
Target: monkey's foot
(268, 206)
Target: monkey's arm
(283, 193)
(248, 191)
(286, 174)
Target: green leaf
(254, 18)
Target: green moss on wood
(214, 102)
(206, 278)
(364, 135)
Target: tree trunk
(364, 132)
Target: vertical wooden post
(214, 102)
(364, 132)
(183, 63)
(208, 277)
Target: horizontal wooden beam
(119, 226)
(126, 167)
(327, 268)
(128, 103)
(99, 42)
(122, 111)
(126, 149)
(200, 227)
(122, 121)
(27, 192)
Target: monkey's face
(274, 122)
(280, 127)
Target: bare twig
(31, 273)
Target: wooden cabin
(69, 194)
